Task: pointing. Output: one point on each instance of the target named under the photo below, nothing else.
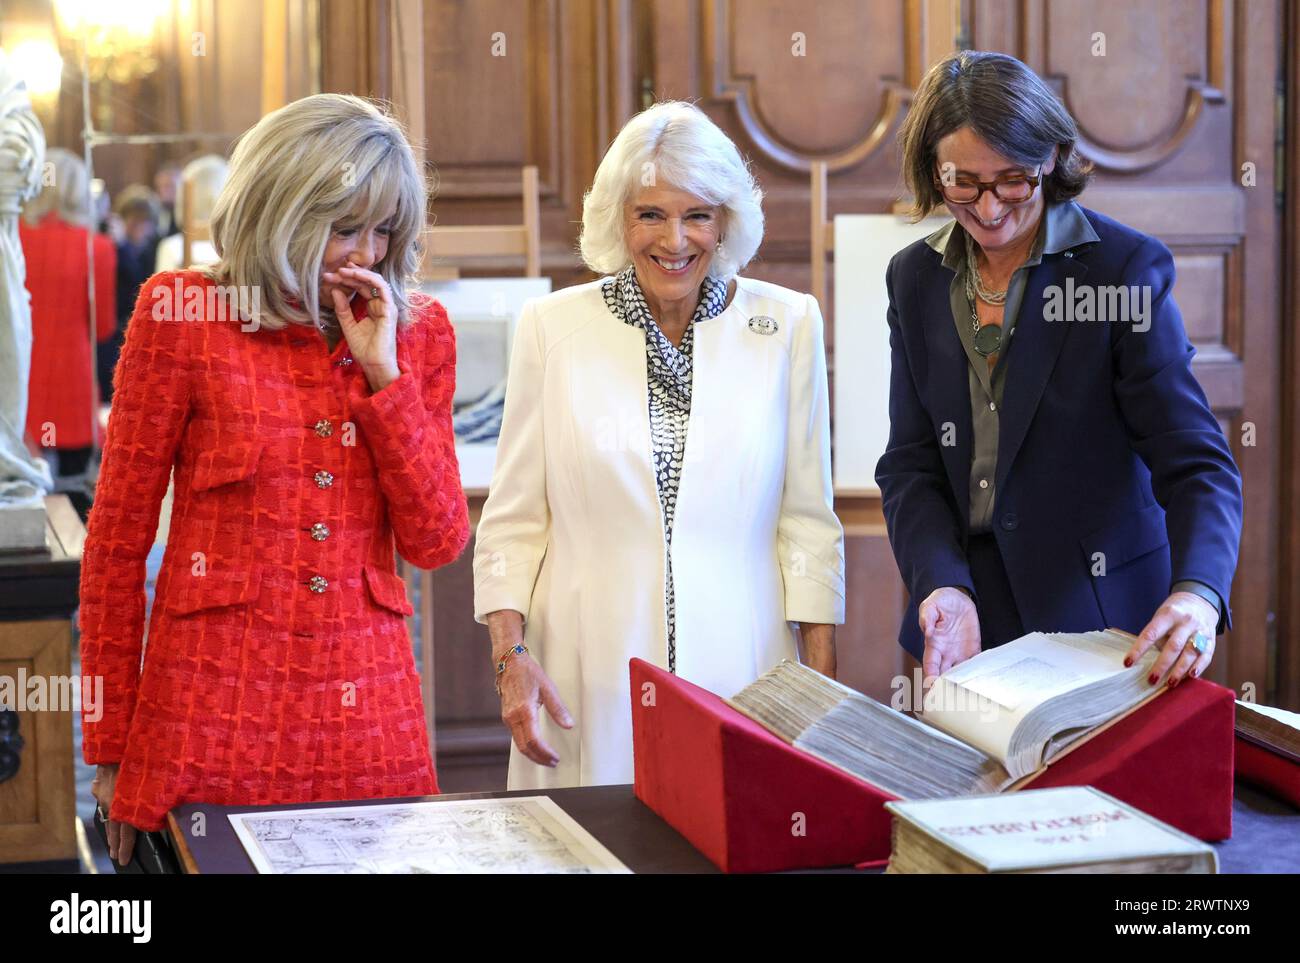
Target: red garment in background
(62, 356)
(278, 668)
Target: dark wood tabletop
(42, 584)
(613, 814)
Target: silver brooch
(762, 324)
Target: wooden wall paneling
(1288, 621)
(1256, 64)
(236, 73)
(275, 64)
(406, 29)
(759, 68)
(552, 81)
(618, 54)
(758, 64)
(356, 55)
(304, 48)
(196, 87)
(290, 63)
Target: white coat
(572, 536)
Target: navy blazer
(1106, 444)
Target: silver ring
(1200, 642)
(374, 292)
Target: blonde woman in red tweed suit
(310, 432)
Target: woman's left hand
(373, 339)
(1175, 627)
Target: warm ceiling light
(39, 64)
(117, 39)
(136, 20)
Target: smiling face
(993, 223)
(671, 236)
(355, 245)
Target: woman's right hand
(952, 631)
(524, 687)
(121, 836)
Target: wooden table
(1266, 833)
(643, 841)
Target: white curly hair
(672, 144)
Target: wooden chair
(823, 231)
(823, 234)
(444, 246)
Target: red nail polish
(1128, 661)
(1151, 679)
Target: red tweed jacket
(278, 668)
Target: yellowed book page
(984, 699)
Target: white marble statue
(24, 478)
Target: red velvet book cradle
(751, 803)
(1265, 769)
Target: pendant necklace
(988, 337)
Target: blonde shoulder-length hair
(64, 190)
(675, 144)
(320, 164)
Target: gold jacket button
(320, 531)
(324, 479)
(318, 583)
(324, 429)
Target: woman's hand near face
(524, 687)
(952, 631)
(121, 836)
(373, 339)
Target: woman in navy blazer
(1052, 463)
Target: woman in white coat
(662, 486)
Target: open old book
(986, 724)
(1276, 730)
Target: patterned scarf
(669, 365)
(668, 373)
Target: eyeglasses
(1010, 188)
